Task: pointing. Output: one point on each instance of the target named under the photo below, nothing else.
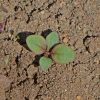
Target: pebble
(79, 98)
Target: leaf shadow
(45, 33)
(36, 60)
(21, 38)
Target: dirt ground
(78, 25)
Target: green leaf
(52, 39)
(63, 54)
(45, 63)
(36, 43)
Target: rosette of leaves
(51, 48)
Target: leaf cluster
(51, 48)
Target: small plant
(51, 48)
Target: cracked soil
(78, 25)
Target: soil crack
(17, 59)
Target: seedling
(51, 48)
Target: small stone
(97, 61)
(79, 98)
(65, 38)
(42, 12)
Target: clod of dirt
(1, 27)
(92, 43)
(31, 71)
(4, 83)
(33, 93)
(2, 94)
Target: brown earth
(78, 24)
